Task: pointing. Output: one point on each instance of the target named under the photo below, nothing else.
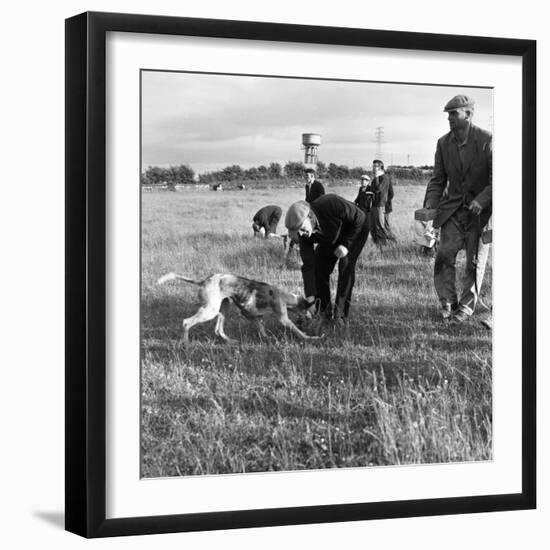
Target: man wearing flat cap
(461, 192)
(339, 228)
(365, 194)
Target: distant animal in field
(217, 187)
(253, 298)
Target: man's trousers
(325, 261)
(452, 240)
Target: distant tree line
(291, 170)
(236, 173)
(173, 175)
(183, 174)
(411, 172)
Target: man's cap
(295, 217)
(309, 170)
(365, 177)
(458, 102)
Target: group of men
(330, 229)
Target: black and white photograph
(240, 308)
(316, 273)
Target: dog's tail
(173, 276)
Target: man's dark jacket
(314, 191)
(382, 187)
(364, 198)
(264, 216)
(471, 180)
(340, 220)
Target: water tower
(310, 144)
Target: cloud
(217, 120)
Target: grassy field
(395, 386)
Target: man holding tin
(461, 192)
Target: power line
(379, 140)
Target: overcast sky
(212, 121)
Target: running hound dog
(253, 298)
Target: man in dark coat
(314, 188)
(461, 191)
(364, 195)
(340, 231)
(266, 218)
(382, 187)
(375, 199)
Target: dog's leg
(260, 327)
(220, 321)
(205, 313)
(282, 316)
(289, 324)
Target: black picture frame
(86, 273)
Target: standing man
(267, 218)
(382, 187)
(314, 188)
(340, 231)
(463, 164)
(365, 195)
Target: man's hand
(475, 208)
(341, 251)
